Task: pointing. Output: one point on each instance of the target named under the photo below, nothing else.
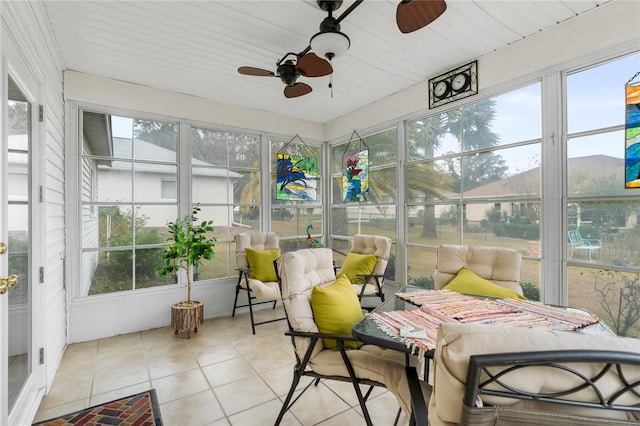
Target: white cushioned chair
(299, 272)
(516, 346)
(380, 247)
(264, 292)
(499, 265)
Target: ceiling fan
(411, 15)
(292, 66)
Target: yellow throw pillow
(466, 281)
(356, 264)
(336, 309)
(261, 264)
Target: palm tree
(470, 125)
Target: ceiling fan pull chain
(331, 84)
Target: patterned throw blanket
(418, 328)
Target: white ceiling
(196, 47)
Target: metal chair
(298, 273)
(585, 244)
(593, 387)
(264, 292)
(373, 281)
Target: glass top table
(368, 331)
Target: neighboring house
(110, 178)
(584, 173)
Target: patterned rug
(135, 410)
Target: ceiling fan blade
(312, 65)
(411, 15)
(259, 72)
(296, 90)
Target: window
(473, 176)
(603, 250)
(169, 190)
(296, 201)
(132, 157)
(225, 182)
(377, 215)
(134, 178)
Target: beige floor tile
(49, 413)
(325, 404)
(129, 359)
(64, 392)
(111, 380)
(250, 344)
(179, 385)
(212, 354)
(280, 379)
(73, 367)
(264, 414)
(222, 422)
(194, 410)
(123, 342)
(101, 398)
(166, 364)
(223, 375)
(242, 394)
(271, 357)
(384, 408)
(162, 343)
(348, 418)
(346, 391)
(229, 371)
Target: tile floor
(222, 375)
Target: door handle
(3, 248)
(6, 283)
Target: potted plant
(190, 246)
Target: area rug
(135, 410)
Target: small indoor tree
(190, 246)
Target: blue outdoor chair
(586, 244)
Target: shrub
(530, 291)
(424, 282)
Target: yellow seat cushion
(261, 264)
(336, 309)
(356, 264)
(466, 281)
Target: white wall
(96, 90)
(25, 22)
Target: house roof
(148, 151)
(527, 183)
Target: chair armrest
(494, 369)
(371, 275)
(311, 334)
(592, 240)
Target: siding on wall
(27, 24)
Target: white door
(20, 376)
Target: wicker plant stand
(187, 316)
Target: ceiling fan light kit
(330, 44)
